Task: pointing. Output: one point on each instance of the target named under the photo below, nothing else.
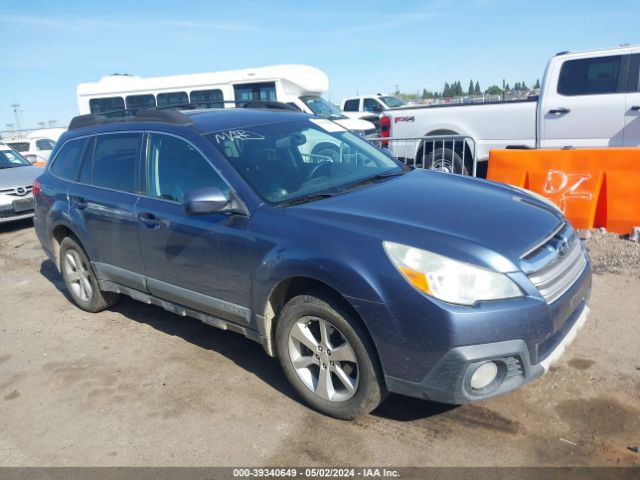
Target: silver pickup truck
(589, 99)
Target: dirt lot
(139, 386)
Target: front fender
(283, 264)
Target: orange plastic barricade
(593, 187)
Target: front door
(586, 107)
(199, 261)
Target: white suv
(36, 150)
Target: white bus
(300, 86)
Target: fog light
(484, 375)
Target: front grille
(554, 266)
(26, 189)
(8, 213)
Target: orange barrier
(40, 164)
(593, 187)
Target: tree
(524, 87)
(494, 90)
(446, 91)
(477, 90)
(458, 89)
(470, 91)
(507, 88)
(537, 85)
(424, 94)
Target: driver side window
(174, 168)
(370, 105)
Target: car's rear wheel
(327, 357)
(80, 280)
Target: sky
(48, 48)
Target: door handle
(149, 220)
(635, 108)
(559, 111)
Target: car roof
(202, 121)
(223, 119)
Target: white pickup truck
(589, 99)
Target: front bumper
(13, 209)
(450, 380)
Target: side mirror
(205, 200)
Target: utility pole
(52, 123)
(10, 126)
(41, 124)
(16, 113)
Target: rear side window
(173, 99)
(68, 160)
(114, 161)
(589, 76)
(137, 102)
(265, 92)
(105, 105)
(175, 168)
(207, 98)
(351, 105)
(45, 144)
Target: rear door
(102, 205)
(199, 261)
(585, 106)
(632, 113)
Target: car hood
(18, 176)
(355, 124)
(470, 219)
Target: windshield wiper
(307, 198)
(374, 179)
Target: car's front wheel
(80, 280)
(327, 357)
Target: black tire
(77, 279)
(443, 159)
(369, 391)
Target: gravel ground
(613, 253)
(138, 386)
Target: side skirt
(183, 311)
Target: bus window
(248, 92)
(172, 99)
(136, 102)
(207, 98)
(104, 105)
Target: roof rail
(119, 116)
(564, 52)
(270, 105)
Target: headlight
(447, 279)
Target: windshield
(392, 101)
(320, 107)
(304, 159)
(11, 159)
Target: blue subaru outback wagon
(362, 275)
